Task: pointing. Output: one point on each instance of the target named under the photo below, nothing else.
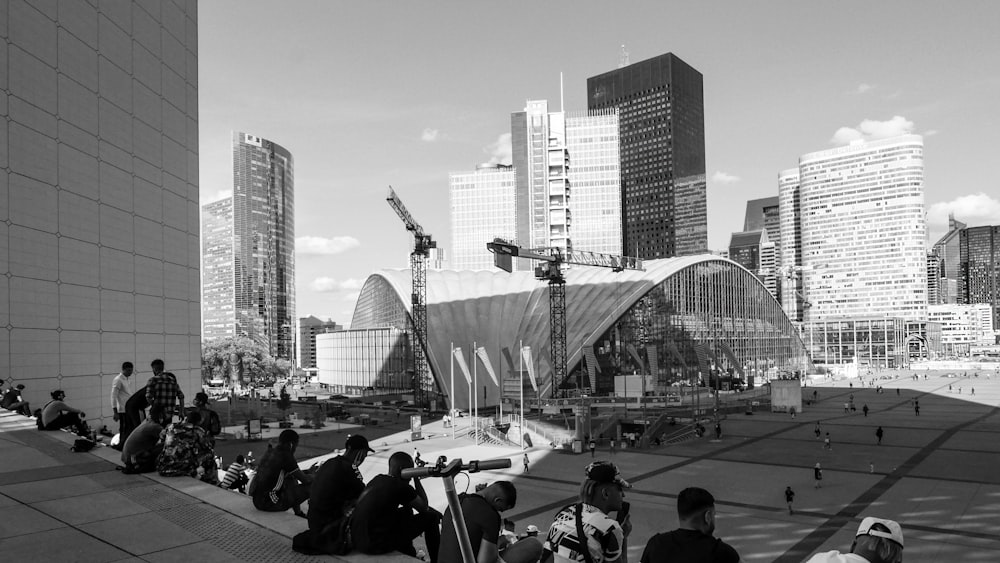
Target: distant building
(935, 271)
(757, 247)
(309, 327)
(364, 361)
(661, 107)
(790, 226)
(947, 250)
(482, 208)
(861, 227)
(979, 254)
(963, 326)
(262, 250)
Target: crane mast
(550, 270)
(422, 244)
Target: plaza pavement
(936, 473)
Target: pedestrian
(916, 404)
(871, 467)
(718, 431)
(826, 443)
(13, 401)
(163, 393)
(593, 447)
(847, 407)
(865, 409)
(817, 431)
(973, 390)
(878, 435)
(121, 390)
(602, 492)
(611, 446)
(694, 538)
(876, 541)
(789, 497)
(897, 390)
(526, 462)
(817, 476)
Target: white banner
(457, 352)
(526, 356)
(481, 352)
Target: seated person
(236, 476)
(13, 401)
(279, 483)
(56, 414)
(142, 448)
(384, 519)
(336, 486)
(187, 449)
(209, 418)
(483, 522)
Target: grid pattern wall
(352, 361)
(947, 248)
(863, 230)
(790, 227)
(962, 325)
(482, 208)
(217, 289)
(595, 177)
(309, 327)
(873, 342)
(979, 251)
(99, 244)
(264, 243)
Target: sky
(366, 94)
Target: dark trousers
(68, 419)
(132, 417)
(405, 526)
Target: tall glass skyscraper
(262, 249)
(482, 208)
(593, 142)
(862, 230)
(661, 111)
(979, 251)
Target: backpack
(333, 539)
(82, 445)
(38, 419)
(214, 424)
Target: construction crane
(551, 270)
(422, 245)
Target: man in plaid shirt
(162, 392)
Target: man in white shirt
(877, 541)
(121, 390)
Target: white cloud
(325, 246)
(721, 177)
(332, 285)
(429, 135)
(974, 210)
(352, 296)
(930, 132)
(500, 151)
(221, 194)
(870, 129)
(862, 88)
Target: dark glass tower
(979, 251)
(662, 116)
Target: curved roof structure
(497, 309)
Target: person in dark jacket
(694, 539)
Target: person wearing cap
(531, 531)
(279, 483)
(484, 524)
(384, 521)
(876, 541)
(693, 540)
(602, 492)
(338, 484)
(13, 401)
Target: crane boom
(400, 209)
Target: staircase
(10, 420)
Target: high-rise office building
(218, 290)
(541, 162)
(482, 208)
(592, 139)
(979, 250)
(661, 112)
(790, 229)
(862, 230)
(99, 234)
(309, 327)
(262, 249)
(946, 249)
(757, 248)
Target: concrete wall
(99, 247)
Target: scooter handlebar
(455, 466)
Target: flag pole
(520, 378)
(452, 413)
(475, 385)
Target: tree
(240, 360)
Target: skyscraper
(482, 208)
(262, 249)
(309, 327)
(862, 230)
(979, 250)
(662, 120)
(540, 160)
(99, 234)
(946, 249)
(790, 227)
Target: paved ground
(936, 473)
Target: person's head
(603, 487)
(240, 459)
(398, 462)
(879, 541)
(531, 530)
(127, 369)
(20, 387)
(193, 417)
(288, 439)
(157, 366)
(58, 395)
(158, 415)
(357, 449)
(200, 399)
(501, 495)
(696, 510)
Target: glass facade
(885, 342)
(594, 174)
(353, 362)
(979, 251)
(661, 111)
(217, 287)
(482, 208)
(790, 227)
(947, 250)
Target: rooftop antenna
(623, 58)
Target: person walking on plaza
(13, 401)
(817, 430)
(604, 537)
(826, 443)
(876, 541)
(789, 497)
(878, 436)
(163, 392)
(612, 446)
(526, 461)
(916, 404)
(817, 476)
(121, 390)
(865, 409)
(718, 431)
(593, 447)
(694, 539)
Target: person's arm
(488, 552)
(150, 396)
(63, 407)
